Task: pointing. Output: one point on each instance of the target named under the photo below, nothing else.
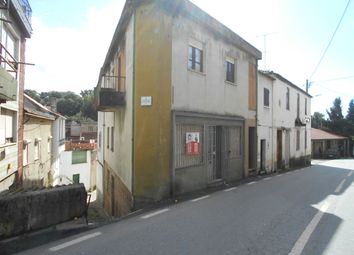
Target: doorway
(279, 148)
(263, 154)
(214, 153)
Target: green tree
(88, 108)
(335, 112)
(349, 127)
(350, 114)
(318, 120)
(33, 94)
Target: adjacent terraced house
(284, 124)
(177, 105)
(15, 28)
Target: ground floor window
(189, 145)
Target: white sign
(192, 137)
(146, 101)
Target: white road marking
(154, 213)
(75, 241)
(200, 198)
(350, 174)
(230, 189)
(340, 186)
(305, 236)
(279, 175)
(250, 183)
(266, 179)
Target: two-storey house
(284, 128)
(15, 28)
(177, 105)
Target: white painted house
(283, 124)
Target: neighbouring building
(37, 144)
(284, 124)
(78, 164)
(15, 28)
(177, 105)
(329, 145)
(81, 130)
(58, 145)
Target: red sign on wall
(192, 143)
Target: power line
(330, 41)
(335, 79)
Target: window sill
(7, 145)
(231, 83)
(196, 72)
(266, 107)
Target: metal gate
(214, 153)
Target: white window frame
(231, 61)
(196, 46)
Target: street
(305, 211)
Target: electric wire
(330, 41)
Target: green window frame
(79, 157)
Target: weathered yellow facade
(152, 124)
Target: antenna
(265, 48)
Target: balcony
(23, 13)
(8, 82)
(112, 95)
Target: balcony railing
(23, 11)
(112, 94)
(8, 75)
(7, 61)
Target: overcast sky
(71, 38)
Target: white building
(283, 124)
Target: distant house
(329, 145)
(81, 130)
(37, 144)
(283, 126)
(78, 164)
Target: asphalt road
(307, 211)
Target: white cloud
(69, 58)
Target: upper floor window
(195, 59)
(287, 99)
(112, 139)
(298, 105)
(266, 97)
(37, 149)
(230, 70)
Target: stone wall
(32, 210)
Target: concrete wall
(32, 210)
(38, 172)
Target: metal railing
(7, 61)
